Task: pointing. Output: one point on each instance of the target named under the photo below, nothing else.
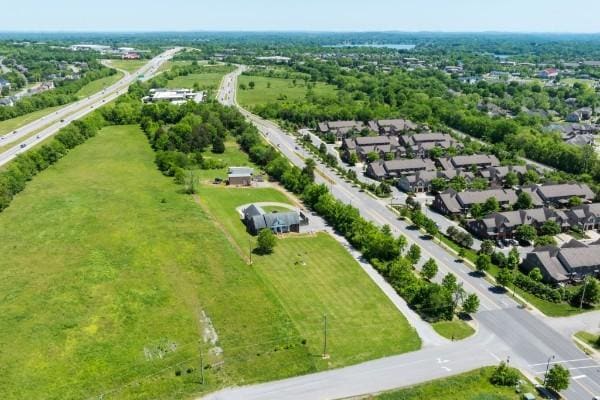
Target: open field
(312, 276)
(167, 65)
(98, 85)
(474, 385)
(280, 90)
(128, 65)
(122, 266)
(10, 125)
(456, 329)
(208, 79)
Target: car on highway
(62, 120)
(23, 145)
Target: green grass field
(107, 269)
(280, 90)
(115, 271)
(128, 65)
(474, 385)
(10, 125)
(210, 79)
(99, 84)
(456, 329)
(312, 276)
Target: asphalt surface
(51, 124)
(505, 330)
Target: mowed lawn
(210, 79)
(313, 276)
(280, 90)
(474, 385)
(98, 85)
(105, 272)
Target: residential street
(505, 329)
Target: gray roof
(565, 191)
(476, 159)
(253, 210)
(469, 197)
(573, 257)
(240, 171)
(409, 164)
(372, 140)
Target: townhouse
(451, 202)
(396, 168)
(572, 261)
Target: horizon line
(313, 31)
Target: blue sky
(330, 15)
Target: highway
(37, 131)
(506, 331)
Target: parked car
(499, 244)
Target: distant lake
(380, 46)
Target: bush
(503, 375)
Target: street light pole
(583, 294)
(547, 368)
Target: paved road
(50, 124)
(505, 328)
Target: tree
(491, 205)
(471, 304)
(430, 227)
(511, 179)
(462, 253)
(590, 291)
(505, 277)
(353, 159)
(550, 228)
(372, 156)
(450, 282)
(251, 84)
(544, 241)
(524, 201)
(414, 254)
(482, 263)
(477, 211)
(402, 242)
(575, 201)
(429, 269)
(218, 145)
(514, 259)
(487, 247)
(558, 378)
(526, 233)
(439, 184)
(266, 241)
(536, 274)
(309, 168)
(503, 375)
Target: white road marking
(561, 361)
(579, 377)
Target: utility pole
(201, 368)
(325, 355)
(583, 294)
(547, 368)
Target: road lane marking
(579, 377)
(561, 361)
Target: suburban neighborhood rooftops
(565, 191)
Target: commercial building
(174, 96)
